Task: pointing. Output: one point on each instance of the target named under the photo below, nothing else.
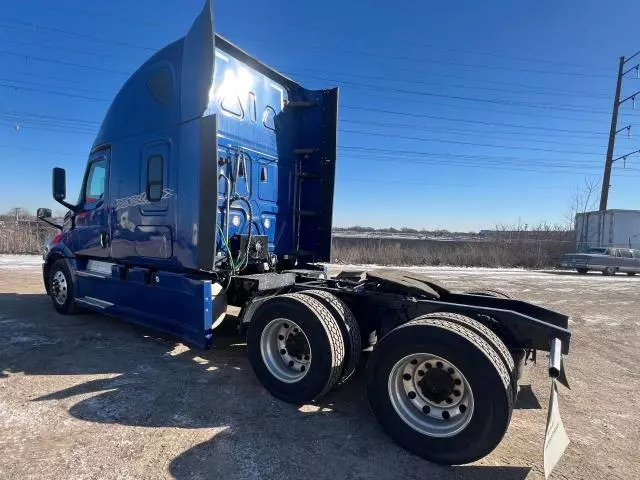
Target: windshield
(601, 251)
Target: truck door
(91, 237)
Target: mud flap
(556, 439)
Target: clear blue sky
(504, 106)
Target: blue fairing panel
(178, 304)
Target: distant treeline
(23, 236)
(541, 247)
(405, 230)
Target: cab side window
(155, 180)
(96, 179)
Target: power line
(487, 160)
(50, 92)
(52, 117)
(39, 84)
(61, 62)
(561, 107)
(28, 57)
(444, 184)
(47, 129)
(474, 156)
(37, 27)
(530, 89)
(395, 41)
(57, 47)
(413, 154)
(440, 140)
(95, 14)
(465, 107)
(502, 90)
(463, 120)
(473, 131)
(430, 61)
(486, 166)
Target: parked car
(608, 260)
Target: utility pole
(606, 177)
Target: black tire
(481, 366)
(609, 271)
(631, 274)
(487, 335)
(582, 271)
(67, 307)
(348, 326)
(325, 340)
(491, 292)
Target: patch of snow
(20, 261)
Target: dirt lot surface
(92, 397)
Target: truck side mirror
(43, 213)
(59, 184)
(59, 187)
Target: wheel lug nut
(445, 415)
(449, 400)
(295, 330)
(456, 393)
(463, 408)
(457, 381)
(439, 364)
(420, 372)
(429, 366)
(286, 325)
(283, 352)
(406, 376)
(291, 363)
(302, 368)
(306, 357)
(280, 337)
(450, 371)
(414, 362)
(411, 395)
(426, 409)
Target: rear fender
(525, 325)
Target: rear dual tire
(348, 327)
(479, 413)
(297, 348)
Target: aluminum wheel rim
(414, 392)
(286, 351)
(59, 287)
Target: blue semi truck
(210, 183)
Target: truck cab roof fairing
(171, 87)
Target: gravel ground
(87, 396)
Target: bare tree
(581, 201)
